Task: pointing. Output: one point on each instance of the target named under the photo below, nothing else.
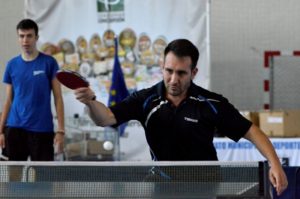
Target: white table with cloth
(287, 149)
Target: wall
(240, 31)
(10, 13)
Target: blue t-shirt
(31, 83)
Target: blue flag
(118, 90)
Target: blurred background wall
(10, 13)
(240, 31)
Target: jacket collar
(161, 90)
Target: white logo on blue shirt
(38, 72)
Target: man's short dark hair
(27, 24)
(183, 48)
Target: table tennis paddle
(71, 79)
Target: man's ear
(194, 72)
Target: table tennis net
(132, 180)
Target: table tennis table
(221, 180)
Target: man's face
(177, 74)
(27, 39)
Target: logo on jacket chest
(190, 120)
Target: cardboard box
(87, 148)
(280, 123)
(73, 149)
(251, 116)
(95, 147)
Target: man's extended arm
(99, 113)
(263, 144)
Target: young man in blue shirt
(26, 127)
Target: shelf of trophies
(87, 142)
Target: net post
(297, 181)
(264, 184)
